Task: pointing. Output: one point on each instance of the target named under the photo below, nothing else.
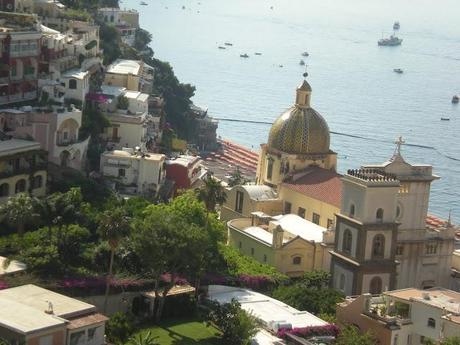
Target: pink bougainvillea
(310, 331)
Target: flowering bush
(310, 331)
(3, 285)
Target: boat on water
(445, 119)
(390, 41)
(396, 26)
(455, 99)
(398, 70)
(244, 55)
(302, 63)
(257, 53)
(305, 54)
(143, 3)
(228, 44)
(221, 47)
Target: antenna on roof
(449, 219)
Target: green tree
(113, 226)
(119, 328)
(143, 338)
(350, 335)
(110, 43)
(17, 211)
(237, 326)
(451, 341)
(212, 193)
(310, 293)
(123, 102)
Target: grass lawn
(183, 331)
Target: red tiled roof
(318, 183)
(435, 223)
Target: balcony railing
(114, 139)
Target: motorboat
(228, 44)
(244, 55)
(445, 119)
(396, 26)
(305, 54)
(391, 41)
(398, 70)
(257, 53)
(455, 99)
(183, 7)
(143, 3)
(221, 47)
(302, 63)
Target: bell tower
(363, 259)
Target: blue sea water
(354, 86)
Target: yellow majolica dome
(301, 129)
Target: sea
(366, 104)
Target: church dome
(300, 129)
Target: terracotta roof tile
(318, 183)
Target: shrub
(119, 328)
(238, 327)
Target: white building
(76, 84)
(404, 317)
(271, 312)
(134, 172)
(131, 74)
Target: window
(287, 207)
(239, 202)
(20, 186)
(379, 215)
(352, 210)
(37, 182)
(431, 248)
(330, 223)
(378, 247)
(315, 218)
(400, 250)
(72, 84)
(347, 241)
(301, 212)
(265, 258)
(45, 340)
(252, 251)
(240, 244)
(395, 340)
(91, 333)
(75, 337)
(65, 135)
(431, 322)
(121, 173)
(111, 18)
(4, 189)
(14, 70)
(375, 286)
(342, 282)
(296, 260)
(398, 212)
(269, 168)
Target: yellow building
(296, 169)
(22, 168)
(289, 243)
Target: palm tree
(17, 211)
(113, 226)
(143, 339)
(212, 193)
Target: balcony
(4, 80)
(114, 139)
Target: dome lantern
(303, 95)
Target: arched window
(398, 211)
(352, 210)
(375, 286)
(72, 84)
(431, 323)
(20, 186)
(4, 189)
(342, 282)
(37, 182)
(347, 241)
(269, 168)
(296, 260)
(379, 215)
(378, 246)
